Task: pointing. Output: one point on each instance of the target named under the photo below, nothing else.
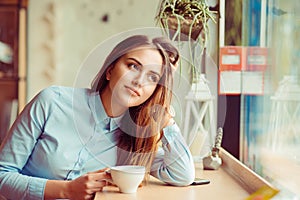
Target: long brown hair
(141, 126)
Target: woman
(64, 135)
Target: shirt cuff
(171, 133)
(36, 188)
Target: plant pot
(172, 25)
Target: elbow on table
(184, 180)
(186, 176)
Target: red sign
(241, 67)
(231, 58)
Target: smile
(133, 91)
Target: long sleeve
(173, 163)
(16, 150)
(56, 138)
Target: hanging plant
(186, 20)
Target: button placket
(106, 120)
(77, 169)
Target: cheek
(116, 80)
(148, 90)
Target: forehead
(146, 56)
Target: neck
(111, 107)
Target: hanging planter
(185, 17)
(187, 20)
(184, 25)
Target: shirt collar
(99, 113)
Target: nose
(136, 83)
(138, 80)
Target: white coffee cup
(127, 177)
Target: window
(270, 122)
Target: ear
(108, 72)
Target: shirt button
(106, 121)
(80, 162)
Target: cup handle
(109, 180)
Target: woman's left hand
(169, 114)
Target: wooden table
(232, 181)
(221, 185)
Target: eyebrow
(135, 60)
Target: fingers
(89, 197)
(98, 186)
(101, 170)
(170, 111)
(98, 175)
(85, 186)
(98, 180)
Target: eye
(153, 78)
(134, 66)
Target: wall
(62, 33)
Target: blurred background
(46, 42)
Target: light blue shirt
(63, 133)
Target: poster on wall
(241, 70)
(230, 68)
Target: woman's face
(134, 77)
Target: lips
(133, 91)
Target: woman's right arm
(16, 149)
